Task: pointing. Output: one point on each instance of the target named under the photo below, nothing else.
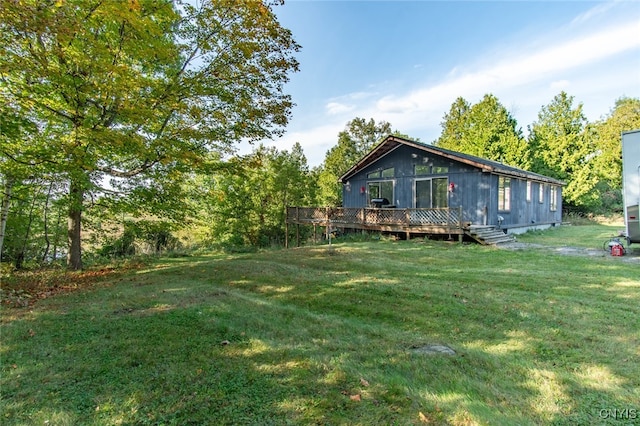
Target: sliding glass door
(431, 193)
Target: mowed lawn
(333, 336)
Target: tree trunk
(74, 256)
(4, 211)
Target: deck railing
(404, 219)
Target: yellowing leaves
(134, 5)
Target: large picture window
(504, 193)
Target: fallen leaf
(225, 342)
(355, 397)
(422, 417)
(363, 382)
(32, 333)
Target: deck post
(461, 234)
(286, 234)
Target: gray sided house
(405, 174)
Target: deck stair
(489, 235)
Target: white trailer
(631, 184)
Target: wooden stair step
(490, 235)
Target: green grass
(319, 336)
(591, 235)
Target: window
(440, 170)
(504, 193)
(432, 193)
(421, 169)
(389, 172)
(553, 198)
(383, 189)
(541, 193)
(528, 191)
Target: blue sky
(406, 62)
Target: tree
(358, 138)
(605, 144)
(486, 130)
(606, 141)
(15, 132)
(455, 126)
(248, 199)
(559, 150)
(138, 94)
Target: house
(404, 174)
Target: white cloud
(594, 12)
(334, 108)
(598, 64)
(513, 71)
(316, 141)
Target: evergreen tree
(485, 130)
(559, 149)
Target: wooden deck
(442, 221)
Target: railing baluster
(450, 218)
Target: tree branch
(129, 173)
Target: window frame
(504, 194)
(434, 195)
(425, 167)
(379, 183)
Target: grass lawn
(332, 336)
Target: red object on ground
(617, 250)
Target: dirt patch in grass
(631, 255)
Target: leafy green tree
(137, 94)
(486, 130)
(606, 141)
(358, 138)
(455, 126)
(560, 150)
(247, 201)
(34, 221)
(16, 135)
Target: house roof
(390, 143)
